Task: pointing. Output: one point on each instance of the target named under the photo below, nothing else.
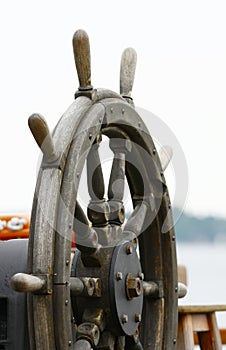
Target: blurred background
(180, 77)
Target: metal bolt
(67, 262)
(141, 276)
(134, 242)
(124, 318)
(111, 110)
(70, 226)
(154, 151)
(90, 136)
(90, 332)
(174, 341)
(66, 302)
(129, 249)
(119, 276)
(134, 286)
(137, 317)
(70, 342)
(176, 289)
(123, 111)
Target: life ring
(18, 226)
(14, 226)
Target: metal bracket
(90, 93)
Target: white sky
(180, 77)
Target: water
(206, 268)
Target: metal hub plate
(126, 311)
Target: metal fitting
(137, 317)
(124, 318)
(129, 249)
(141, 275)
(89, 331)
(134, 286)
(119, 276)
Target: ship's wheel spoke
(134, 225)
(120, 148)
(85, 237)
(80, 216)
(98, 208)
(95, 179)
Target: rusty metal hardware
(89, 331)
(133, 286)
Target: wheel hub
(121, 296)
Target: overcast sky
(180, 77)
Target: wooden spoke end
(127, 71)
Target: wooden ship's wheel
(118, 288)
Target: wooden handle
(182, 290)
(41, 133)
(22, 282)
(127, 71)
(81, 49)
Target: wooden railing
(198, 324)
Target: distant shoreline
(190, 228)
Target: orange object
(18, 226)
(14, 226)
(73, 245)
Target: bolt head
(129, 249)
(137, 317)
(141, 276)
(124, 318)
(119, 276)
(134, 242)
(134, 286)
